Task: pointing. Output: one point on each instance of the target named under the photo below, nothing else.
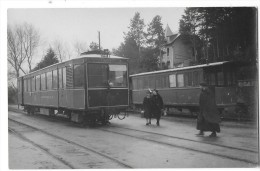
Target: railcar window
(64, 78)
(60, 78)
(196, 78)
(49, 80)
(189, 74)
(172, 80)
(29, 84)
(43, 82)
(117, 75)
(135, 84)
(152, 82)
(54, 79)
(78, 76)
(220, 76)
(33, 83)
(69, 77)
(97, 75)
(229, 78)
(158, 82)
(146, 82)
(140, 83)
(211, 79)
(180, 80)
(38, 82)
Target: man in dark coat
(157, 106)
(147, 106)
(208, 119)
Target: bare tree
(22, 43)
(62, 50)
(30, 43)
(15, 49)
(80, 47)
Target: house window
(168, 50)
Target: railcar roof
(80, 57)
(181, 69)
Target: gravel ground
(135, 152)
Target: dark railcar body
(180, 89)
(90, 85)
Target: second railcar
(87, 89)
(180, 89)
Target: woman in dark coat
(208, 119)
(157, 106)
(147, 106)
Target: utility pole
(99, 40)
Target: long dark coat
(147, 106)
(157, 105)
(208, 119)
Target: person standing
(157, 106)
(208, 118)
(147, 106)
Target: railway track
(234, 153)
(56, 138)
(223, 151)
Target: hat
(204, 84)
(155, 90)
(149, 91)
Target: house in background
(178, 50)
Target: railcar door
(107, 85)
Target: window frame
(174, 78)
(82, 75)
(178, 79)
(55, 88)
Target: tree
(15, 53)
(136, 31)
(129, 49)
(80, 47)
(61, 50)
(23, 41)
(94, 46)
(30, 43)
(155, 38)
(227, 33)
(49, 59)
(155, 35)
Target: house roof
(168, 31)
(174, 37)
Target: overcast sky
(82, 25)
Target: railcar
(91, 88)
(179, 87)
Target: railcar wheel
(110, 116)
(122, 115)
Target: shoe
(213, 134)
(147, 123)
(200, 133)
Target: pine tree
(49, 59)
